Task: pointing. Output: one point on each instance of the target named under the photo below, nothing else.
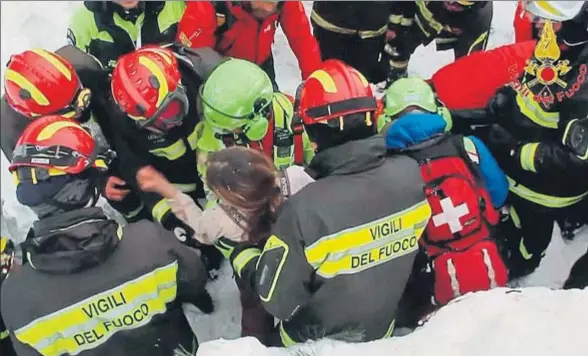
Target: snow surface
(536, 321)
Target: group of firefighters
(172, 113)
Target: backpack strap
(285, 184)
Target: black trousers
(269, 68)
(365, 55)
(579, 275)
(526, 234)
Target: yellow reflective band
(545, 5)
(543, 199)
(119, 232)
(357, 249)
(274, 243)
(4, 334)
(193, 138)
(523, 249)
(160, 209)
(480, 40)
(321, 22)
(134, 213)
(49, 130)
(528, 156)
(325, 79)
(171, 152)
(24, 83)
(390, 330)
(34, 176)
(515, 218)
(3, 244)
(421, 27)
(465, 3)
(428, 16)
(166, 57)
(53, 60)
(531, 109)
(91, 322)
(287, 341)
(244, 258)
(156, 71)
(186, 188)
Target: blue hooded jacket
(414, 128)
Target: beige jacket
(213, 223)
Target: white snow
(536, 321)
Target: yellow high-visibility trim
(478, 41)
(3, 244)
(160, 209)
(531, 109)
(156, 71)
(49, 130)
(321, 22)
(428, 16)
(91, 322)
(528, 152)
(56, 62)
(24, 83)
(244, 258)
(4, 334)
(549, 201)
(166, 57)
(171, 152)
(357, 249)
(287, 341)
(545, 5)
(523, 250)
(274, 243)
(325, 79)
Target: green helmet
(406, 92)
(237, 95)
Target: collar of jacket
(412, 129)
(242, 14)
(349, 158)
(71, 242)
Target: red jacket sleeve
(471, 81)
(523, 27)
(297, 30)
(198, 25)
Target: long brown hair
(246, 179)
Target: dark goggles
(170, 113)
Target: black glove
(501, 142)
(183, 232)
(502, 105)
(575, 137)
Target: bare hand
(113, 190)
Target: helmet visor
(170, 113)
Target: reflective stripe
(490, 268)
(528, 156)
(428, 16)
(160, 209)
(444, 40)
(4, 334)
(523, 249)
(273, 243)
(244, 258)
(186, 188)
(171, 152)
(390, 330)
(346, 31)
(515, 217)
(134, 213)
(531, 109)
(452, 272)
(400, 20)
(549, 201)
(287, 341)
(91, 322)
(481, 40)
(359, 248)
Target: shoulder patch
(71, 38)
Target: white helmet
(554, 10)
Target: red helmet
(332, 92)
(58, 145)
(146, 85)
(39, 82)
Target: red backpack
(458, 239)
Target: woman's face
(263, 9)
(127, 4)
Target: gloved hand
(501, 142)
(183, 232)
(115, 189)
(575, 137)
(502, 105)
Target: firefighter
(459, 25)
(69, 82)
(109, 29)
(156, 89)
(6, 249)
(246, 30)
(100, 288)
(341, 250)
(238, 106)
(539, 136)
(354, 32)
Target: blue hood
(412, 129)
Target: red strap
(298, 149)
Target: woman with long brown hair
(250, 192)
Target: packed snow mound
(533, 321)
